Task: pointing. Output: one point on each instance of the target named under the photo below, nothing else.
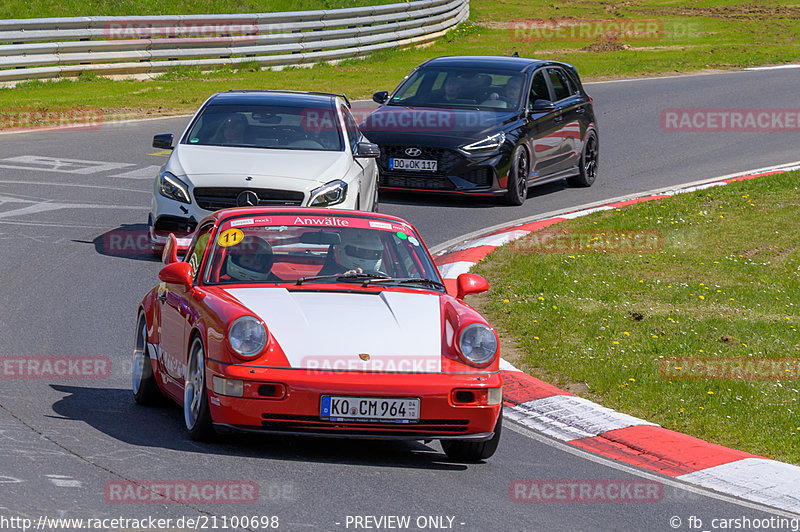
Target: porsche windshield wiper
(344, 277)
(404, 280)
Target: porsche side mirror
(163, 141)
(380, 97)
(367, 150)
(470, 283)
(170, 253)
(177, 273)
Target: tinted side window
(538, 88)
(560, 84)
(353, 134)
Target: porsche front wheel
(145, 388)
(195, 398)
(472, 451)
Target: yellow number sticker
(230, 237)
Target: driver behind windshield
(249, 260)
(360, 251)
(231, 131)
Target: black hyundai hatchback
(485, 125)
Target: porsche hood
(371, 331)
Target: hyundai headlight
(329, 194)
(492, 142)
(173, 188)
(477, 344)
(247, 336)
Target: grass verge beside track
(111, 8)
(721, 289)
(714, 34)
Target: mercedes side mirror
(163, 141)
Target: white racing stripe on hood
(329, 330)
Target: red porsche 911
(322, 323)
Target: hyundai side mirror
(380, 97)
(543, 106)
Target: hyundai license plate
(412, 164)
(341, 408)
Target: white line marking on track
(148, 172)
(776, 67)
(9, 480)
(63, 481)
(56, 164)
(53, 184)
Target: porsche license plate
(396, 409)
(412, 164)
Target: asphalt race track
(71, 282)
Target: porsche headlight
(489, 143)
(329, 194)
(173, 188)
(477, 344)
(247, 336)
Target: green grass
(725, 285)
(76, 8)
(717, 34)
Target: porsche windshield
(318, 248)
(267, 126)
(461, 88)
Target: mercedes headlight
(329, 194)
(173, 188)
(477, 343)
(247, 336)
(492, 142)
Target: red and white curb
(582, 423)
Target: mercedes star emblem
(247, 198)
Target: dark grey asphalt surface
(66, 290)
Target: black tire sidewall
(513, 194)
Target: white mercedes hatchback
(262, 148)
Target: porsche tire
(145, 388)
(196, 413)
(473, 451)
(588, 163)
(517, 186)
